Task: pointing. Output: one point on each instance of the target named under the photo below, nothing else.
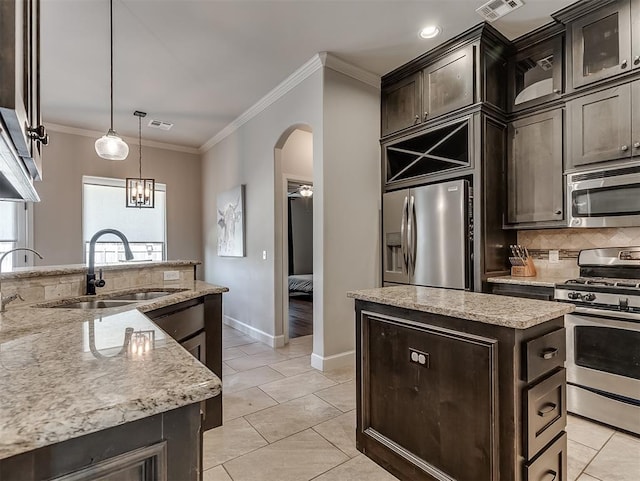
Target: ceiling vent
(159, 124)
(546, 63)
(494, 9)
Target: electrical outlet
(419, 357)
(554, 257)
(171, 276)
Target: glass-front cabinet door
(602, 44)
(537, 74)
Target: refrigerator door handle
(403, 236)
(413, 233)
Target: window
(13, 233)
(103, 207)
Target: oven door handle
(604, 313)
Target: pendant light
(110, 146)
(140, 192)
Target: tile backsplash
(576, 239)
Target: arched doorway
(294, 298)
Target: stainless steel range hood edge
(16, 183)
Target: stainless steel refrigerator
(428, 236)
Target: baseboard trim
(257, 334)
(336, 361)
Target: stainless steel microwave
(606, 197)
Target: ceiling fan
(297, 190)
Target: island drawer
(544, 353)
(182, 322)
(546, 413)
(551, 465)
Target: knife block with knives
(521, 262)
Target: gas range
(603, 337)
(609, 280)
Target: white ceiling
(199, 64)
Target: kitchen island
(101, 392)
(460, 385)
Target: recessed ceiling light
(430, 31)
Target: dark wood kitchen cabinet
(601, 43)
(535, 187)
(603, 126)
(462, 72)
(20, 80)
(446, 398)
(441, 87)
(197, 325)
(423, 405)
(162, 447)
(448, 84)
(536, 70)
(402, 104)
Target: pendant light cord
(140, 149)
(111, 37)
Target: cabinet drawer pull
(547, 409)
(416, 120)
(557, 91)
(549, 476)
(623, 64)
(624, 148)
(426, 115)
(636, 60)
(557, 211)
(636, 145)
(549, 353)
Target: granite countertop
(39, 271)
(64, 373)
(513, 312)
(544, 280)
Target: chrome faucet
(6, 300)
(92, 282)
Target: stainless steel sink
(94, 304)
(141, 296)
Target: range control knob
(624, 304)
(573, 296)
(589, 297)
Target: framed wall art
(230, 213)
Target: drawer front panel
(544, 354)
(551, 465)
(184, 323)
(546, 413)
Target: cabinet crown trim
(579, 9)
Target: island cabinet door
(429, 395)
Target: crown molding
(318, 61)
(64, 129)
(335, 63)
(295, 79)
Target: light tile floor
(285, 421)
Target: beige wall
(247, 156)
(344, 117)
(58, 217)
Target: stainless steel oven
(603, 366)
(603, 337)
(606, 197)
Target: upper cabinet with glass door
(536, 73)
(604, 43)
